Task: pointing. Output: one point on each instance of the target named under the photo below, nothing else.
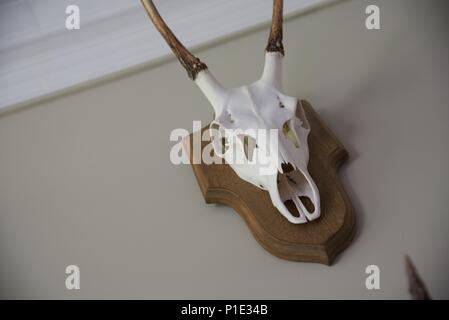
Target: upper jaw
(291, 189)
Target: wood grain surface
(318, 241)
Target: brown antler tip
(417, 289)
(276, 34)
(275, 46)
(194, 68)
(192, 64)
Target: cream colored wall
(85, 178)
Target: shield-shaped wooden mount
(318, 241)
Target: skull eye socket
(249, 145)
(219, 140)
(290, 134)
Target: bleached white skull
(248, 110)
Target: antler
(276, 34)
(417, 287)
(192, 64)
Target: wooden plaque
(318, 241)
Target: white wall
(85, 178)
(39, 57)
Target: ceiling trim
(40, 58)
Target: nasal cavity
(307, 203)
(290, 205)
(287, 167)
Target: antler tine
(417, 287)
(192, 64)
(276, 34)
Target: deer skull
(249, 109)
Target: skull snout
(295, 194)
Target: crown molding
(40, 58)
